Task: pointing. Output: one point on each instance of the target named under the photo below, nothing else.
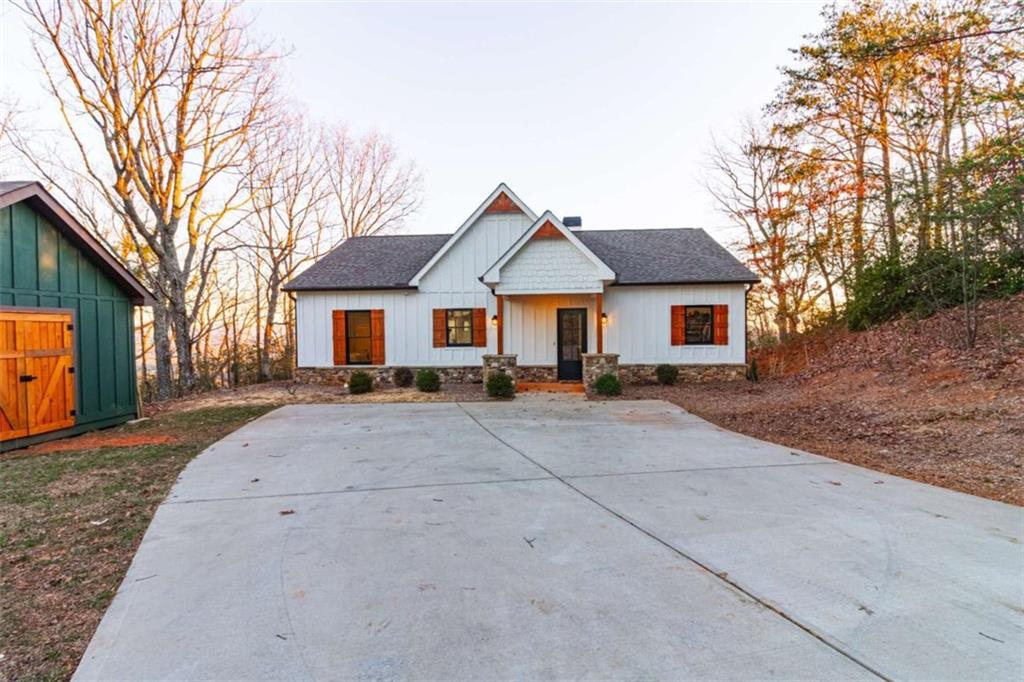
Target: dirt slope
(905, 398)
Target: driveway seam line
(683, 471)
(343, 491)
(775, 609)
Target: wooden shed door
(37, 383)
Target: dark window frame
(449, 327)
(349, 337)
(699, 341)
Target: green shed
(67, 339)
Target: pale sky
(603, 111)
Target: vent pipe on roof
(573, 222)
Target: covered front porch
(550, 305)
(550, 341)
(549, 333)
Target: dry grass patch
(72, 514)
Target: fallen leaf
(286, 512)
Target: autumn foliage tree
(886, 176)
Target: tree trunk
(858, 208)
(162, 351)
(273, 287)
(890, 206)
(177, 285)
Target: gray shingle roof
(673, 256)
(680, 255)
(387, 262)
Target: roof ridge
(373, 236)
(639, 229)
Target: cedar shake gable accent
(548, 231)
(503, 204)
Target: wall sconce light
(494, 321)
(604, 319)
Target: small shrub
(402, 376)
(667, 374)
(428, 381)
(752, 370)
(499, 385)
(608, 384)
(360, 382)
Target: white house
(543, 294)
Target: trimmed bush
(608, 384)
(402, 376)
(360, 382)
(428, 381)
(499, 385)
(667, 374)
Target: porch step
(549, 387)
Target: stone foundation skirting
(338, 376)
(537, 373)
(644, 374)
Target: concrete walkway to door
(551, 539)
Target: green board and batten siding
(41, 268)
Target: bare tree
(158, 99)
(287, 181)
(754, 183)
(373, 190)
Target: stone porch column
(500, 363)
(599, 364)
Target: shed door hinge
(71, 327)
(71, 370)
(73, 413)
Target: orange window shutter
(440, 330)
(338, 335)
(377, 337)
(721, 314)
(480, 327)
(679, 325)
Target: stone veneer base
(630, 374)
(338, 376)
(644, 374)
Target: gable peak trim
(503, 204)
(548, 231)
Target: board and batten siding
(40, 268)
(639, 327)
(640, 319)
(453, 282)
(531, 326)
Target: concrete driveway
(556, 539)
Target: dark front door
(572, 342)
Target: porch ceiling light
(604, 319)
(494, 320)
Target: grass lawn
(70, 522)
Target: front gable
(501, 212)
(548, 258)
